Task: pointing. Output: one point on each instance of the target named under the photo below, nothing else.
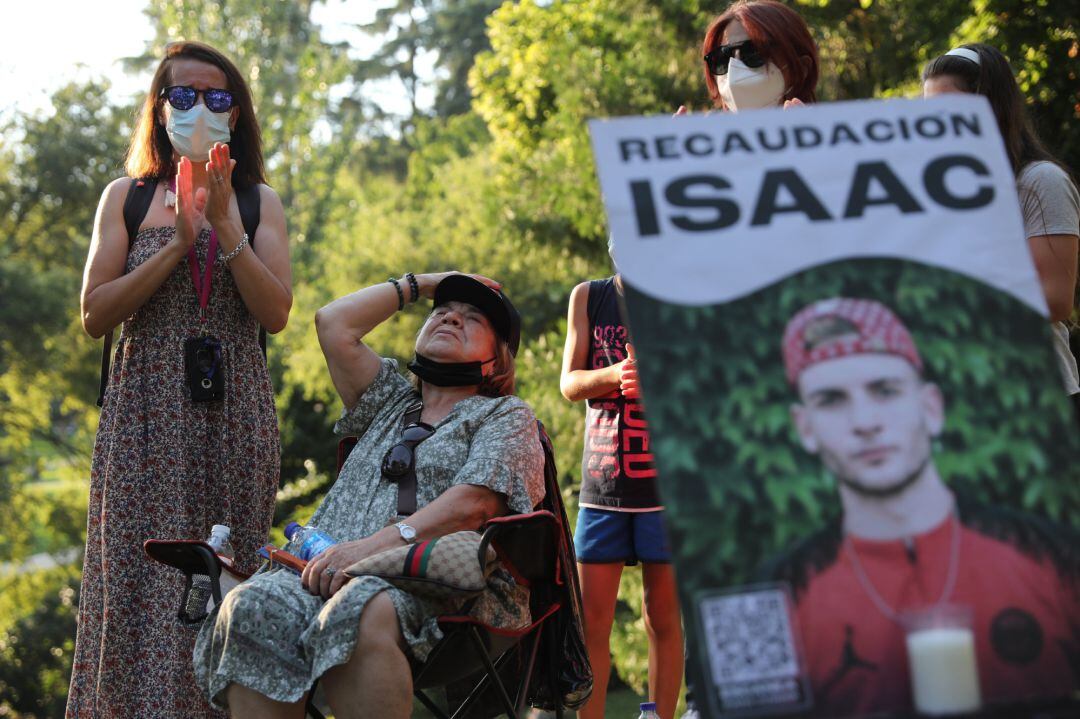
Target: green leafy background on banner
(737, 484)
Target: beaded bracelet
(414, 286)
(237, 250)
(400, 294)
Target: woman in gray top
(273, 636)
(1048, 197)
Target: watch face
(407, 532)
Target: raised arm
(343, 324)
(577, 382)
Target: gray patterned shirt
(271, 635)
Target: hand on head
(428, 281)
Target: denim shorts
(604, 536)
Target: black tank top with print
(617, 469)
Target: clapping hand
(190, 206)
(628, 375)
(220, 200)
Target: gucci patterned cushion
(437, 568)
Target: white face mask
(748, 88)
(193, 132)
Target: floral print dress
(271, 635)
(167, 468)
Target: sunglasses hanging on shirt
(399, 462)
(718, 59)
(183, 97)
(400, 458)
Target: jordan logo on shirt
(849, 660)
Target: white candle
(944, 674)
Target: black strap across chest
(140, 195)
(406, 483)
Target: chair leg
(310, 708)
(492, 672)
(523, 692)
(431, 706)
(481, 686)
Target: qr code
(753, 657)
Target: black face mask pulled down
(448, 374)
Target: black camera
(204, 370)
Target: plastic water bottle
(648, 711)
(309, 542)
(201, 595)
(219, 542)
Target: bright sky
(47, 43)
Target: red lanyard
(202, 288)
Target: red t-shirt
(1026, 620)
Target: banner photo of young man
(868, 471)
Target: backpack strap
(250, 203)
(136, 204)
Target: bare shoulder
(579, 294)
(267, 195)
(116, 190)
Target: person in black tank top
(619, 517)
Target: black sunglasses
(400, 458)
(718, 59)
(183, 97)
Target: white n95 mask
(750, 88)
(193, 132)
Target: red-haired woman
(188, 434)
(759, 54)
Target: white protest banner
(785, 190)
(864, 451)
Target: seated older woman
(274, 635)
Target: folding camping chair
(537, 550)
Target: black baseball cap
(495, 305)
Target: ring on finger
(329, 571)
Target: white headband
(966, 53)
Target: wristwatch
(407, 533)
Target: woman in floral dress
(164, 464)
(277, 633)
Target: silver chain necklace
(876, 598)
